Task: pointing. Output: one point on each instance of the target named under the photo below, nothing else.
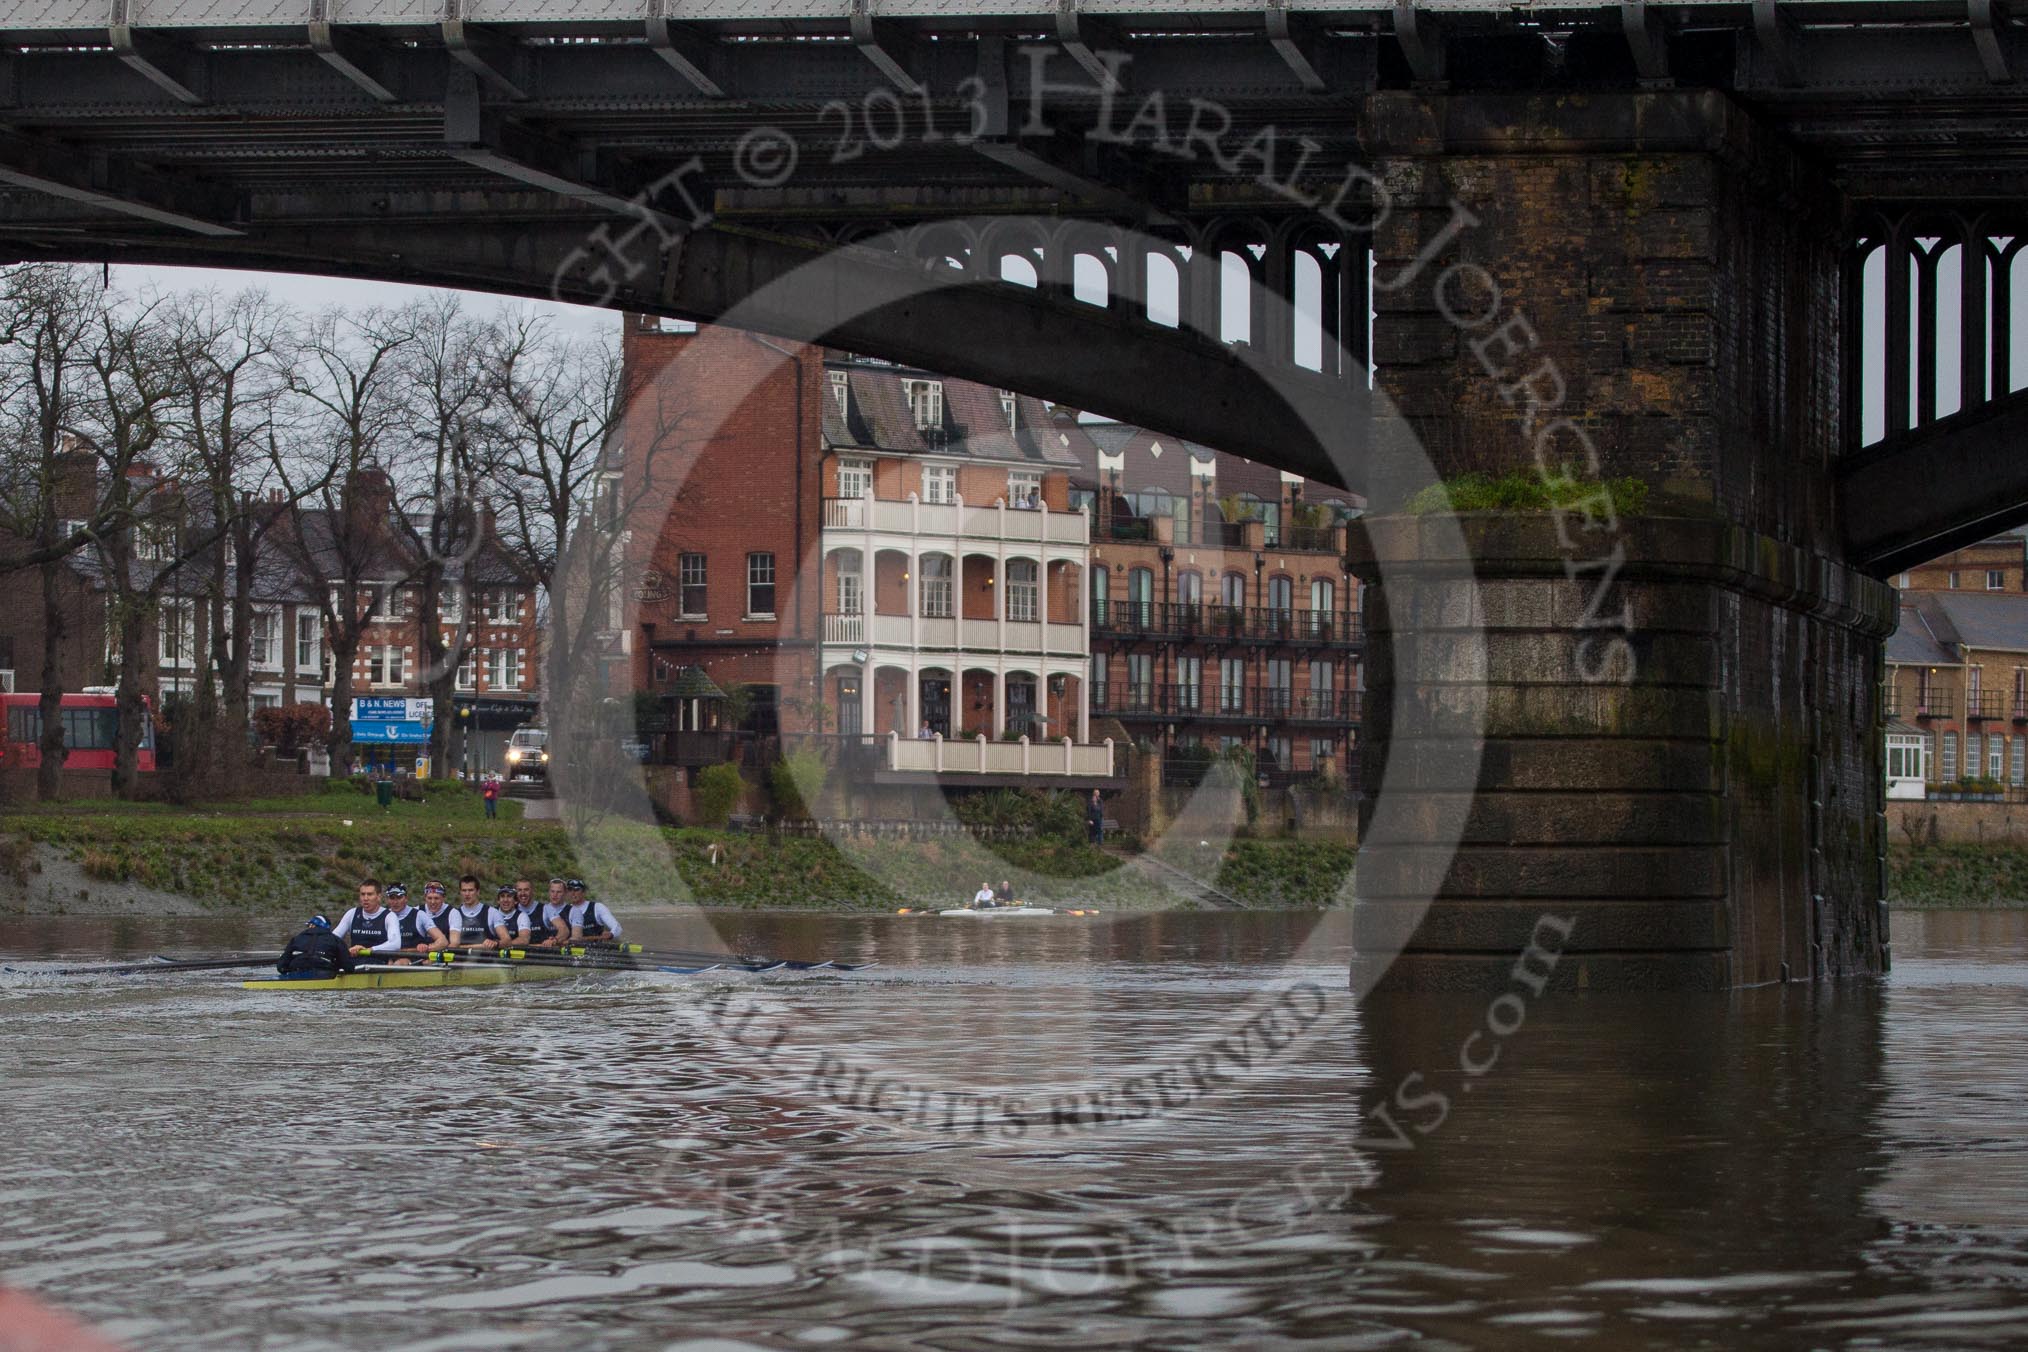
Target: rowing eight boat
(383, 978)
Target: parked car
(528, 753)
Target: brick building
(864, 549)
(1223, 613)
(856, 549)
(290, 656)
(1957, 672)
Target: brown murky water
(1016, 1134)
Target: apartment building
(861, 550)
(1223, 613)
(1957, 691)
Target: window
(926, 402)
(178, 626)
(1007, 408)
(1323, 601)
(841, 395)
(264, 640)
(1995, 579)
(936, 586)
(1280, 685)
(855, 478)
(1974, 753)
(89, 729)
(309, 641)
(451, 605)
(1101, 588)
(1231, 685)
(760, 584)
(690, 586)
(1901, 581)
(1907, 756)
(2020, 691)
(1996, 756)
(1323, 689)
(1953, 581)
(1232, 590)
(468, 669)
(503, 606)
(1141, 591)
(1190, 589)
(1950, 755)
(1021, 590)
(1281, 594)
(383, 664)
(1141, 680)
(2020, 760)
(1189, 684)
(1023, 486)
(503, 669)
(939, 483)
(155, 542)
(1972, 691)
(851, 595)
(386, 604)
(1321, 750)
(1280, 754)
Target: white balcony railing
(844, 629)
(892, 631)
(948, 520)
(967, 755)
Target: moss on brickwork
(1761, 758)
(1528, 493)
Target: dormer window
(841, 393)
(1007, 408)
(926, 402)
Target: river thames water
(1016, 1134)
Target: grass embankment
(281, 854)
(1958, 876)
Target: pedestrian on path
(1095, 818)
(491, 793)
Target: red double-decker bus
(91, 720)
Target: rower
(550, 927)
(1003, 895)
(435, 918)
(406, 922)
(471, 918)
(983, 899)
(506, 918)
(315, 952)
(589, 919)
(368, 927)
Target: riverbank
(283, 856)
(1958, 877)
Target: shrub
(290, 727)
(1523, 492)
(797, 781)
(715, 793)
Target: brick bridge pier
(1679, 782)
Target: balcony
(1980, 707)
(948, 634)
(1247, 704)
(1220, 623)
(956, 520)
(1935, 704)
(976, 756)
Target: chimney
(76, 485)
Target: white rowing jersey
(513, 919)
(377, 932)
(469, 927)
(593, 916)
(557, 917)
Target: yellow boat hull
(409, 978)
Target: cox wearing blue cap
(315, 953)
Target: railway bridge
(1736, 276)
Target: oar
(158, 964)
(751, 962)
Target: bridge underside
(1647, 727)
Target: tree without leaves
(344, 416)
(48, 316)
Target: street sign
(378, 709)
(400, 733)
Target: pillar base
(1652, 751)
